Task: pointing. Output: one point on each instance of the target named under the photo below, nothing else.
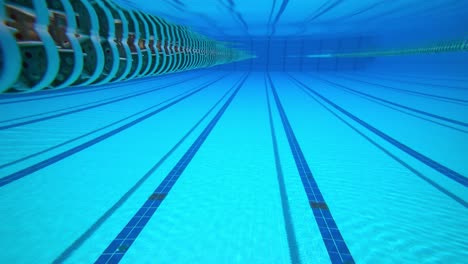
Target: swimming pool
(275, 159)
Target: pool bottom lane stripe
(120, 245)
(87, 106)
(449, 173)
(106, 215)
(47, 162)
(288, 223)
(343, 87)
(336, 247)
(397, 159)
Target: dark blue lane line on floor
(40, 165)
(439, 123)
(426, 160)
(331, 235)
(120, 245)
(462, 130)
(340, 86)
(32, 121)
(426, 95)
(412, 82)
(397, 159)
(93, 131)
(420, 77)
(290, 232)
(63, 93)
(44, 94)
(96, 225)
(80, 105)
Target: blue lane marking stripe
(40, 165)
(427, 95)
(406, 165)
(406, 112)
(426, 160)
(412, 82)
(331, 235)
(93, 131)
(120, 245)
(42, 95)
(32, 121)
(440, 123)
(36, 97)
(96, 225)
(75, 106)
(290, 232)
(422, 77)
(395, 104)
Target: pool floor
(233, 167)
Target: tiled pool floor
(220, 167)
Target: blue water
(277, 159)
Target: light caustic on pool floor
(237, 168)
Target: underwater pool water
(343, 140)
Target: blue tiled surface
(334, 242)
(421, 157)
(117, 248)
(407, 91)
(288, 222)
(99, 104)
(437, 186)
(42, 164)
(443, 118)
